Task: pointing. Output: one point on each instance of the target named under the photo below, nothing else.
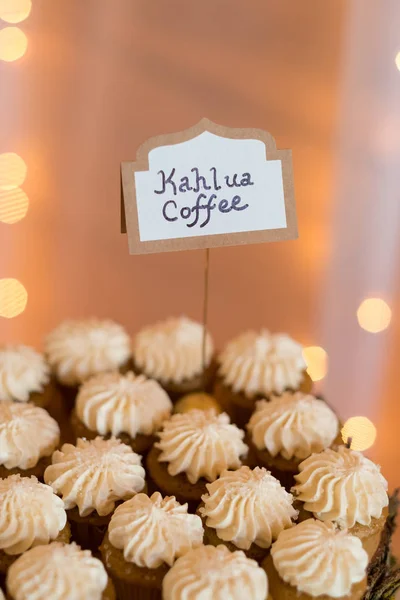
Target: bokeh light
(374, 315)
(397, 60)
(317, 362)
(360, 432)
(13, 43)
(12, 171)
(13, 298)
(15, 11)
(13, 205)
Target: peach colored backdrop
(101, 76)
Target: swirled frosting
(342, 486)
(57, 572)
(30, 514)
(76, 350)
(248, 506)
(156, 530)
(27, 433)
(262, 363)
(215, 573)
(317, 559)
(1, 595)
(172, 350)
(115, 403)
(200, 444)
(293, 425)
(22, 371)
(94, 474)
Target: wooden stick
(205, 307)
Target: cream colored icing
(262, 363)
(342, 486)
(27, 433)
(22, 371)
(115, 403)
(248, 507)
(95, 474)
(152, 531)
(293, 425)
(317, 559)
(172, 350)
(76, 350)
(1, 595)
(215, 573)
(30, 514)
(57, 572)
(200, 444)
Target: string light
(13, 298)
(13, 44)
(12, 171)
(15, 11)
(317, 362)
(397, 60)
(360, 432)
(374, 315)
(13, 205)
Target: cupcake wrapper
(130, 591)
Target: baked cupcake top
(27, 433)
(115, 403)
(76, 350)
(248, 507)
(57, 571)
(95, 474)
(262, 363)
(172, 350)
(341, 486)
(215, 573)
(200, 443)
(317, 559)
(293, 425)
(30, 514)
(154, 530)
(22, 371)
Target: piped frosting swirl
(248, 506)
(115, 403)
(95, 474)
(200, 444)
(27, 433)
(293, 425)
(76, 350)
(215, 573)
(22, 371)
(317, 559)
(172, 350)
(262, 363)
(341, 486)
(30, 514)
(152, 531)
(57, 572)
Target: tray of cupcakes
(131, 470)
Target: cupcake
(25, 376)
(194, 447)
(28, 437)
(199, 400)
(246, 510)
(145, 536)
(316, 560)
(30, 515)
(58, 572)
(172, 353)
(214, 573)
(129, 407)
(347, 488)
(258, 365)
(76, 350)
(288, 429)
(91, 478)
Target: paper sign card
(207, 186)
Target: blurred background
(83, 84)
